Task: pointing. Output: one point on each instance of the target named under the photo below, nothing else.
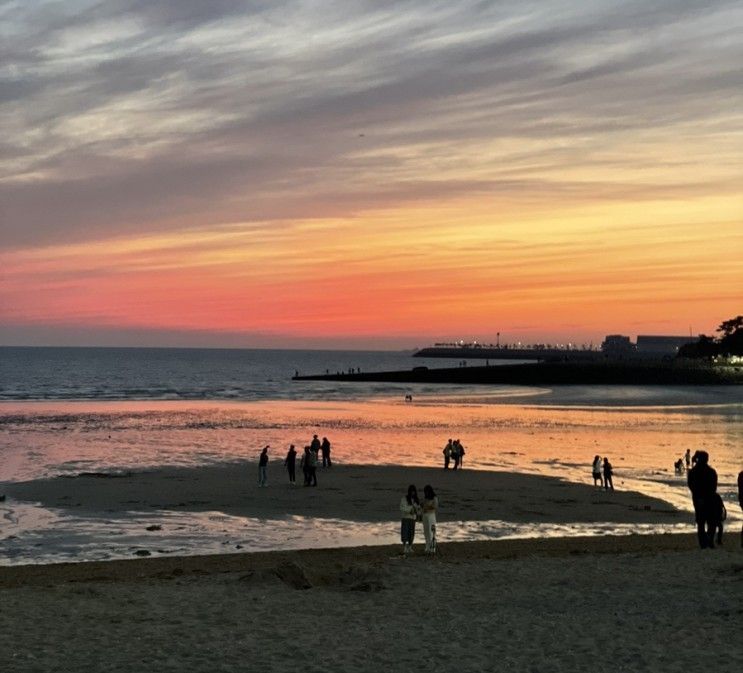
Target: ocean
(65, 411)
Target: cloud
(133, 116)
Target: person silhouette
(290, 463)
(608, 473)
(455, 453)
(429, 506)
(740, 501)
(325, 450)
(315, 445)
(305, 462)
(702, 481)
(409, 512)
(597, 479)
(263, 467)
(447, 454)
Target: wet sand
(361, 493)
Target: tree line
(730, 342)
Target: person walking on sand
(687, 459)
(325, 450)
(702, 480)
(447, 454)
(290, 463)
(429, 507)
(608, 473)
(263, 467)
(409, 512)
(597, 472)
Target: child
(719, 515)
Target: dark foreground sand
(645, 603)
(352, 492)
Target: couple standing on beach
(412, 510)
(602, 473)
(709, 509)
(453, 451)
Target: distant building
(617, 346)
(662, 345)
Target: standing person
(608, 472)
(312, 471)
(429, 506)
(315, 445)
(409, 511)
(290, 463)
(325, 449)
(740, 501)
(719, 514)
(702, 480)
(460, 446)
(597, 472)
(687, 458)
(306, 464)
(455, 453)
(263, 467)
(447, 454)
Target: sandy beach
(355, 492)
(638, 603)
(598, 603)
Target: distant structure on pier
(650, 345)
(614, 347)
(662, 345)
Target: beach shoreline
(181, 511)
(174, 567)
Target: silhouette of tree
(706, 347)
(731, 342)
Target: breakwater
(554, 373)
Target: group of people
(413, 510)
(453, 451)
(602, 473)
(678, 466)
(314, 452)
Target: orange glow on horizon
(457, 269)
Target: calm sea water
(64, 411)
(187, 374)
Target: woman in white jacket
(409, 511)
(429, 506)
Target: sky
(365, 173)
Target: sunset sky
(368, 173)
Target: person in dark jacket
(740, 500)
(702, 480)
(290, 462)
(325, 450)
(263, 467)
(608, 474)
